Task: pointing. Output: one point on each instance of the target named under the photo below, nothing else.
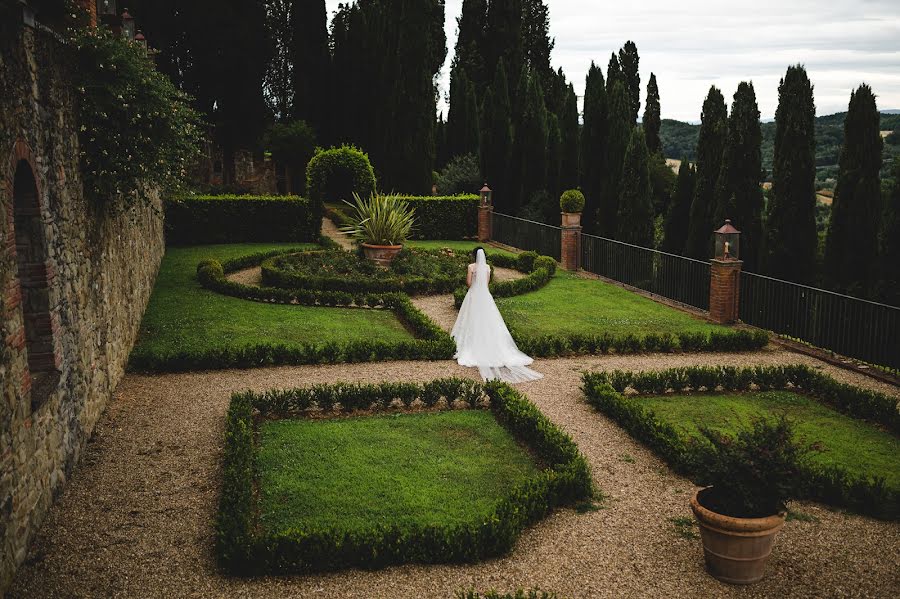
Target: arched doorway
(31, 262)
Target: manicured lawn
(570, 304)
(857, 447)
(356, 473)
(183, 315)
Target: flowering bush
(137, 129)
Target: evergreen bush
(571, 200)
(335, 174)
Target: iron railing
(847, 325)
(677, 278)
(527, 234)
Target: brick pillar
(90, 7)
(571, 240)
(485, 214)
(724, 290)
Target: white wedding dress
(481, 336)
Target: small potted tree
(380, 225)
(571, 202)
(751, 476)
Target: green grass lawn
(571, 304)
(182, 314)
(356, 473)
(855, 446)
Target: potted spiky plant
(380, 224)
(751, 476)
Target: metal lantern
(106, 8)
(27, 13)
(485, 196)
(728, 240)
(140, 40)
(127, 25)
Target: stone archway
(34, 275)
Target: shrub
(379, 220)
(196, 220)
(444, 217)
(540, 270)
(571, 201)
(293, 145)
(754, 473)
(461, 175)
(336, 174)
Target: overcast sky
(691, 44)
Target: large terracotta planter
(736, 549)
(571, 219)
(382, 255)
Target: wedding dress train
(481, 336)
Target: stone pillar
(485, 216)
(724, 290)
(570, 252)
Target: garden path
(137, 517)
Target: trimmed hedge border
(830, 485)
(204, 219)
(433, 343)
(244, 550)
(437, 217)
(540, 269)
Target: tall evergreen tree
(613, 74)
(470, 43)
(496, 140)
(889, 243)
(634, 223)
(677, 220)
(791, 236)
(710, 147)
(310, 57)
(620, 127)
(739, 196)
(503, 35)
(537, 45)
(594, 134)
(554, 167)
(651, 121)
(531, 142)
(462, 121)
(628, 61)
(278, 83)
(852, 244)
(440, 143)
(568, 128)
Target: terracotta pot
(571, 219)
(382, 255)
(736, 549)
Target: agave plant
(380, 220)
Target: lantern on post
(140, 40)
(127, 25)
(486, 194)
(106, 8)
(728, 241)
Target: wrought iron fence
(847, 325)
(678, 278)
(526, 234)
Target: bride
(482, 338)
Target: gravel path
(136, 519)
(329, 229)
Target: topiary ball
(571, 201)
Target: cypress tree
(554, 167)
(679, 216)
(531, 142)
(497, 140)
(889, 243)
(462, 123)
(310, 57)
(628, 61)
(537, 45)
(852, 243)
(651, 121)
(791, 236)
(470, 43)
(568, 128)
(617, 146)
(594, 135)
(613, 73)
(710, 147)
(503, 38)
(739, 195)
(634, 223)
(440, 143)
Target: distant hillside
(679, 140)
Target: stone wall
(75, 276)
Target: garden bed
(854, 429)
(340, 476)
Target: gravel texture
(136, 519)
(329, 229)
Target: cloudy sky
(691, 44)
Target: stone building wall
(75, 277)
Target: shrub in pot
(571, 202)
(380, 225)
(750, 476)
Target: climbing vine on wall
(138, 132)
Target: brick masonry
(81, 294)
(570, 251)
(724, 290)
(485, 215)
